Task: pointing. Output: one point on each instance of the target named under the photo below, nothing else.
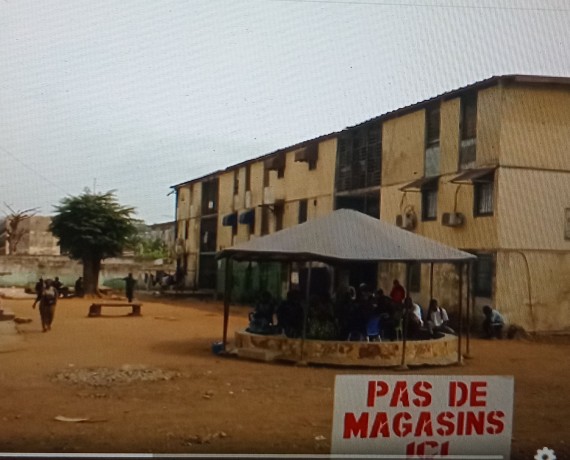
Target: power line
(15, 158)
(424, 5)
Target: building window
(359, 155)
(302, 211)
(279, 212)
(431, 157)
(483, 191)
(313, 164)
(210, 197)
(281, 171)
(467, 148)
(429, 203)
(208, 234)
(265, 177)
(187, 230)
(236, 181)
(483, 271)
(309, 154)
(248, 178)
(265, 220)
(414, 276)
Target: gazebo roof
(345, 236)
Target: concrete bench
(95, 308)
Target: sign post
(423, 415)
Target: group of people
(351, 315)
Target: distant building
(164, 231)
(484, 168)
(36, 238)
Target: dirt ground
(203, 403)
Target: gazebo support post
(470, 303)
(306, 312)
(228, 282)
(460, 332)
(431, 280)
(403, 366)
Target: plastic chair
(355, 336)
(373, 329)
(399, 330)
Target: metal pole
(227, 298)
(470, 300)
(431, 281)
(306, 311)
(459, 358)
(403, 365)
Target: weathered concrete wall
(532, 289)
(36, 240)
(25, 270)
(374, 354)
(536, 221)
(535, 126)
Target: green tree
(90, 228)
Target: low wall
(439, 352)
(23, 270)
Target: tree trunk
(91, 268)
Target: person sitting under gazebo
(321, 322)
(261, 319)
(493, 323)
(412, 318)
(437, 319)
(290, 315)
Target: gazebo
(342, 237)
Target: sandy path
(218, 404)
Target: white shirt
(438, 317)
(417, 311)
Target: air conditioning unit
(248, 199)
(452, 219)
(406, 221)
(268, 197)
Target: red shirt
(398, 293)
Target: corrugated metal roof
(472, 175)
(345, 236)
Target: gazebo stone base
(436, 352)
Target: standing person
(57, 284)
(130, 287)
(39, 288)
(398, 293)
(48, 301)
(437, 319)
(79, 287)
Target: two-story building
(484, 168)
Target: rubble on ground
(103, 376)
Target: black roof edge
(478, 85)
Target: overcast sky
(137, 95)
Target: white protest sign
(423, 415)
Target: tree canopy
(92, 227)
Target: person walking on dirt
(130, 287)
(48, 301)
